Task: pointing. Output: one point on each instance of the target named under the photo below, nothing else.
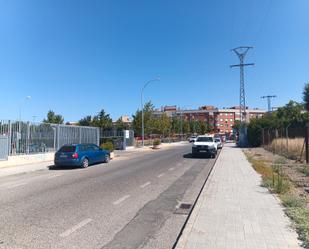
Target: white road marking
(145, 184)
(171, 169)
(53, 176)
(121, 199)
(74, 228)
(160, 175)
(16, 185)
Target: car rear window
(67, 149)
(204, 139)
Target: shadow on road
(189, 155)
(54, 167)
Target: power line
(269, 97)
(241, 53)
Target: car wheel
(107, 158)
(85, 163)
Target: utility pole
(269, 97)
(241, 53)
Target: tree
(86, 121)
(103, 120)
(53, 118)
(306, 96)
(120, 125)
(148, 121)
(290, 114)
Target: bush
(156, 142)
(301, 217)
(290, 200)
(107, 146)
(306, 170)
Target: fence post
(306, 141)
(58, 131)
(28, 138)
(10, 138)
(98, 136)
(80, 135)
(287, 141)
(268, 140)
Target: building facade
(222, 120)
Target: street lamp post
(142, 106)
(181, 122)
(20, 104)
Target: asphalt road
(129, 203)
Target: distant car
(219, 143)
(205, 145)
(81, 155)
(192, 139)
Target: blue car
(81, 155)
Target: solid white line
(74, 228)
(160, 175)
(170, 169)
(145, 184)
(121, 199)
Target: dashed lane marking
(145, 184)
(75, 228)
(121, 199)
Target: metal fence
(30, 138)
(289, 142)
(120, 138)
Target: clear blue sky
(76, 57)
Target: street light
(181, 123)
(20, 104)
(142, 106)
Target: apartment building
(222, 120)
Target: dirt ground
(291, 168)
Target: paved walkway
(233, 211)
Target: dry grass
(292, 148)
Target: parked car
(219, 143)
(81, 155)
(192, 139)
(205, 145)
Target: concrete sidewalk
(234, 211)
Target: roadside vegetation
(164, 126)
(278, 177)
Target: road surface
(129, 203)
